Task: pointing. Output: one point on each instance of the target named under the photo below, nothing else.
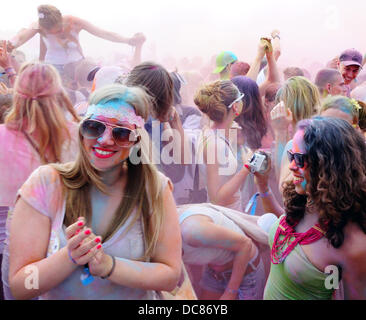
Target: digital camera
(259, 162)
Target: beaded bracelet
(113, 265)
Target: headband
(39, 96)
(116, 109)
(26, 96)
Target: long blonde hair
(39, 106)
(300, 96)
(143, 189)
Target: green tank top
(296, 278)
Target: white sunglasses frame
(241, 96)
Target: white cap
(108, 75)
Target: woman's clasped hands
(84, 247)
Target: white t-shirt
(43, 191)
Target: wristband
(9, 69)
(113, 265)
(277, 36)
(232, 290)
(72, 260)
(266, 193)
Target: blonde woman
(106, 225)
(297, 99)
(35, 132)
(222, 102)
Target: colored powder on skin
(99, 206)
(281, 148)
(304, 184)
(346, 110)
(116, 109)
(224, 243)
(132, 264)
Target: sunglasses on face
(298, 157)
(93, 129)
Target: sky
(312, 32)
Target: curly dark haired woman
(324, 228)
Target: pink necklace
(277, 255)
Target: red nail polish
(77, 231)
(80, 224)
(99, 246)
(246, 166)
(87, 232)
(97, 240)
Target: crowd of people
(231, 180)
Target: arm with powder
(221, 194)
(273, 74)
(255, 66)
(269, 202)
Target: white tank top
(228, 164)
(204, 256)
(59, 54)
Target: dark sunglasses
(93, 129)
(298, 157)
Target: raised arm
(255, 66)
(281, 118)
(136, 59)
(273, 74)
(101, 33)
(276, 43)
(270, 204)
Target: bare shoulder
(34, 26)
(72, 22)
(353, 248)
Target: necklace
(291, 239)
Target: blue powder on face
(304, 184)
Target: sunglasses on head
(93, 129)
(298, 157)
(236, 100)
